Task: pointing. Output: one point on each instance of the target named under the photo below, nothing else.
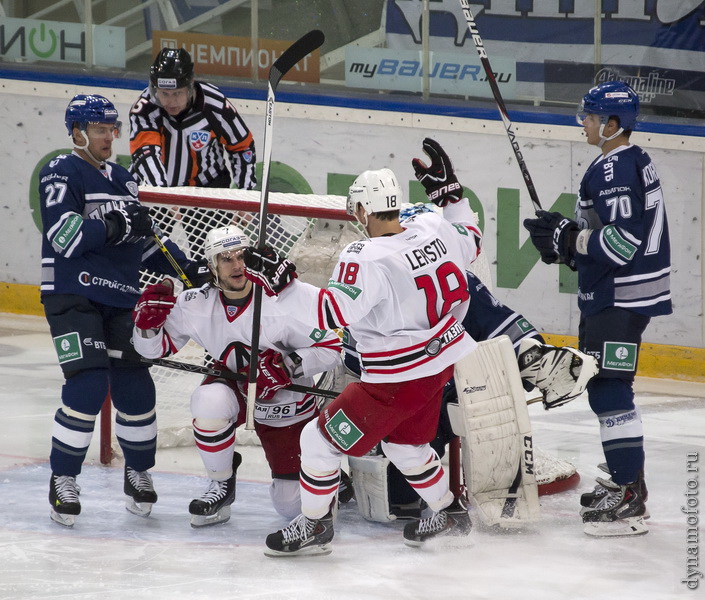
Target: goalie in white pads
(218, 316)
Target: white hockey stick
(484, 59)
(293, 54)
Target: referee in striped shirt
(186, 133)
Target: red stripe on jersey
(407, 349)
(326, 298)
(414, 364)
(332, 344)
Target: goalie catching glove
(439, 178)
(554, 236)
(154, 305)
(271, 375)
(560, 373)
(268, 270)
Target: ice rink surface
(111, 554)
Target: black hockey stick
(484, 59)
(224, 374)
(293, 54)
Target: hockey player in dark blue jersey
(619, 245)
(96, 236)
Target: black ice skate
(589, 500)
(302, 537)
(139, 491)
(453, 520)
(619, 512)
(63, 497)
(214, 505)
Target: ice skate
(619, 512)
(63, 497)
(213, 506)
(139, 491)
(453, 520)
(589, 500)
(302, 537)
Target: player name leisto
(430, 253)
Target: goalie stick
(484, 59)
(293, 54)
(224, 374)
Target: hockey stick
(170, 257)
(224, 374)
(484, 59)
(293, 54)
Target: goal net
(309, 229)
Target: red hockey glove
(271, 375)
(154, 305)
(268, 270)
(439, 178)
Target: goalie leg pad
(560, 373)
(369, 479)
(497, 444)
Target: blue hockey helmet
(608, 99)
(90, 108)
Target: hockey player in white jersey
(403, 294)
(218, 316)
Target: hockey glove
(554, 237)
(154, 305)
(127, 224)
(439, 178)
(268, 270)
(198, 273)
(271, 375)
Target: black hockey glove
(268, 270)
(127, 224)
(439, 178)
(554, 237)
(198, 273)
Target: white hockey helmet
(223, 239)
(377, 191)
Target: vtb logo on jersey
(199, 139)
